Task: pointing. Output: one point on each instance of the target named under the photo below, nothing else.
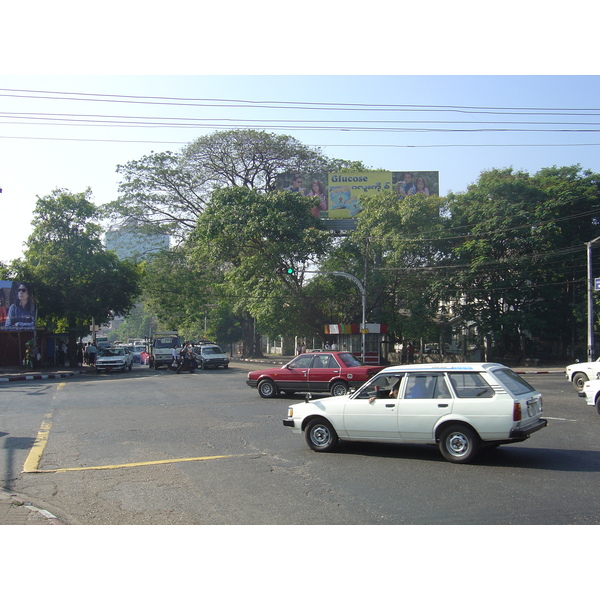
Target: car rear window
(470, 385)
(512, 382)
(350, 360)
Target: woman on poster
(21, 314)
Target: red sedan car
(331, 373)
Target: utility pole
(590, 301)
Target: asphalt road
(151, 447)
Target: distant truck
(160, 348)
(102, 341)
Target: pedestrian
(62, 354)
(404, 353)
(175, 354)
(92, 351)
(411, 353)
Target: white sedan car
(579, 373)
(112, 359)
(460, 407)
(591, 393)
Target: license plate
(533, 408)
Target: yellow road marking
(35, 454)
(140, 464)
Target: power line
(225, 103)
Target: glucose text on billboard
(337, 195)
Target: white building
(133, 243)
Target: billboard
(17, 307)
(337, 195)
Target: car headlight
(290, 412)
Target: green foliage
(74, 277)
(250, 240)
(521, 252)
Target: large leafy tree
(75, 278)
(260, 247)
(395, 250)
(167, 191)
(520, 252)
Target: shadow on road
(508, 456)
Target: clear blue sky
(37, 155)
(39, 151)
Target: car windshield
(111, 352)
(167, 342)
(350, 360)
(212, 350)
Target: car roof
(443, 367)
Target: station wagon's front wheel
(459, 444)
(320, 435)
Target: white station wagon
(461, 407)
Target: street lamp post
(590, 301)
(363, 294)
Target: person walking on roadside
(92, 351)
(175, 354)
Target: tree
(160, 193)
(74, 277)
(396, 247)
(166, 192)
(520, 252)
(249, 240)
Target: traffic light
(285, 270)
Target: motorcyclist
(187, 359)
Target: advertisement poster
(337, 195)
(17, 307)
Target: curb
(16, 502)
(32, 377)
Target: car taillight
(517, 414)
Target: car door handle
(442, 406)
(390, 405)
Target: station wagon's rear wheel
(459, 444)
(267, 389)
(320, 435)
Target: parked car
(580, 372)
(136, 352)
(112, 359)
(460, 407)
(318, 372)
(591, 393)
(210, 356)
